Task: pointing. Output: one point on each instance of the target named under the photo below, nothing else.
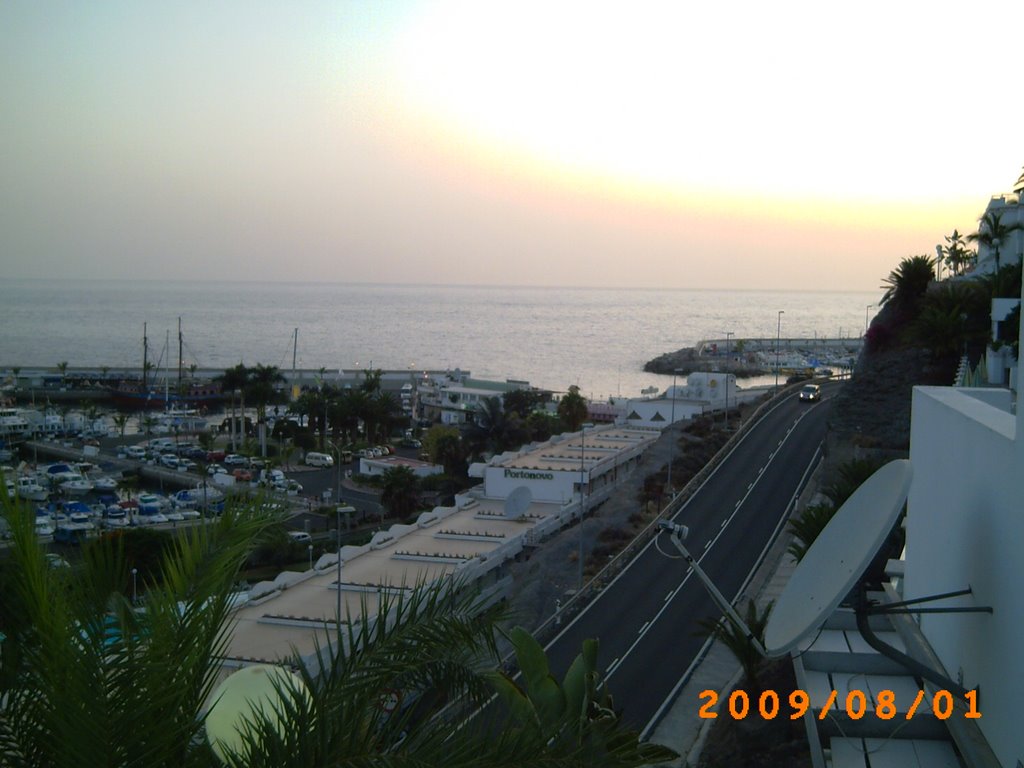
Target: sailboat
(145, 394)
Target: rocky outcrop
(686, 360)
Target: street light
(728, 360)
(337, 524)
(135, 585)
(671, 422)
(336, 452)
(778, 340)
(583, 499)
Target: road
(647, 617)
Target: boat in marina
(199, 497)
(30, 489)
(105, 483)
(179, 420)
(115, 516)
(143, 394)
(44, 523)
(76, 485)
(14, 427)
(59, 472)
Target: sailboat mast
(180, 372)
(295, 351)
(145, 360)
(166, 354)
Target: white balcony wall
(965, 527)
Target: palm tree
(343, 411)
(63, 368)
(906, 284)
(738, 642)
(444, 445)
(121, 421)
(992, 233)
(807, 527)
(371, 380)
(261, 387)
(88, 680)
(572, 409)
(232, 380)
(400, 491)
(956, 254)
(493, 430)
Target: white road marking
(644, 627)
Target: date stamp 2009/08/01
(856, 704)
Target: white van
(314, 459)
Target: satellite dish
(253, 689)
(838, 558)
(518, 502)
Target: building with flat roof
(381, 465)
(472, 541)
(555, 471)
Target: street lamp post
(310, 548)
(778, 341)
(728, 359)
(135, 585)
(583, 500)
(671, 421)
(336, 454)
(337, 524)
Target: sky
(801, 145)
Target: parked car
(242, 475)
(300, 536)
(186, 465)
(234, 460)
(216, 469)
(315, 459)
(215, 455)
(169, 460)
(135, 452)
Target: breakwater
(749, 357)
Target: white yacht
(76, 486)
(13, 426)
(31, 489)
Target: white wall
(549, 485)
(965, 527)
(377, 467)
(659, 413)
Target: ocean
(595, 338)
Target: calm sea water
(552, 337)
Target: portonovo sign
(523, 474)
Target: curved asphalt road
(647, 617)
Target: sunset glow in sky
(748, 145)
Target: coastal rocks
(687, 360)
